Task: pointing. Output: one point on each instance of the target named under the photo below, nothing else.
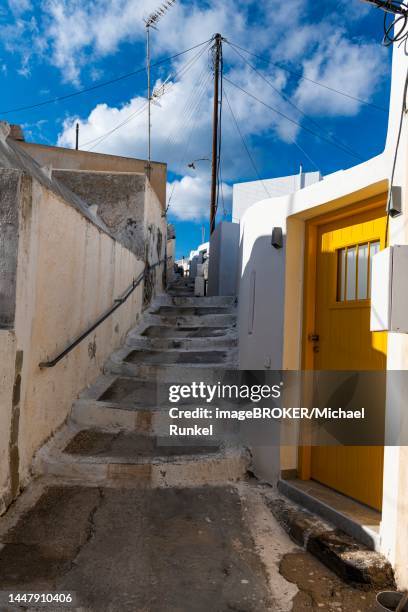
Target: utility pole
(217, 54)
(77, 136)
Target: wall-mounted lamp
(395, 204)
(277, 238)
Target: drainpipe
(301, 177)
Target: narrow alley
(122, 523)
(204, 306)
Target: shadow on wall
(261, 305)
(260, 329)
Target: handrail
(118, 302)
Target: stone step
(134, 405)
(352, 561)
(189, 310)
(182, 332)
(173, 341)
(358, 520)
(103, 457)
(177, 357)
(172, 363)
(175, 374)
(183, 280)
(215, 300)
(214, 320)
(142, 419)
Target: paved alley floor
(207, 549)
(128, 524)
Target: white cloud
(355, 68)
(191, 197)
(76, 35)
(19, 6)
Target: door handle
(313, 337)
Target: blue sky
(51, 48)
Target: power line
(245, 145)
(189, 125)
(178, 126)
(252, 159)
(99, 139)
(303, 127)
(289, 101)
(99, 85)
(301, 76)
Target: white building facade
(287, 310)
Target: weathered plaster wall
(118, 199)
(70, 159)
(171, 258)
(7, 367)
(69, 272)
(155, 242)
(9, 188)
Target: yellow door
(342, 325)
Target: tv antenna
(151, 22)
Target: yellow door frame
(310, 289)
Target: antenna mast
(151, 22)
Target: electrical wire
(99, 139)
(99, 85)
(188, 127)
(278, 112)
(301, 76)
(181, 117)
(289, 101)
(187, 115)
(398, 24)
(180, 73)
(283, 192)
(251, 159)
(394, 161)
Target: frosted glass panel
(341, 275)
(374, 248)
(354, 271)
(362, 283)
(351, 273)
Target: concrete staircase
(118, 428)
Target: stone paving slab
(172, 550)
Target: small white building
(246, 194)
(198, 256)
(223, 274)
